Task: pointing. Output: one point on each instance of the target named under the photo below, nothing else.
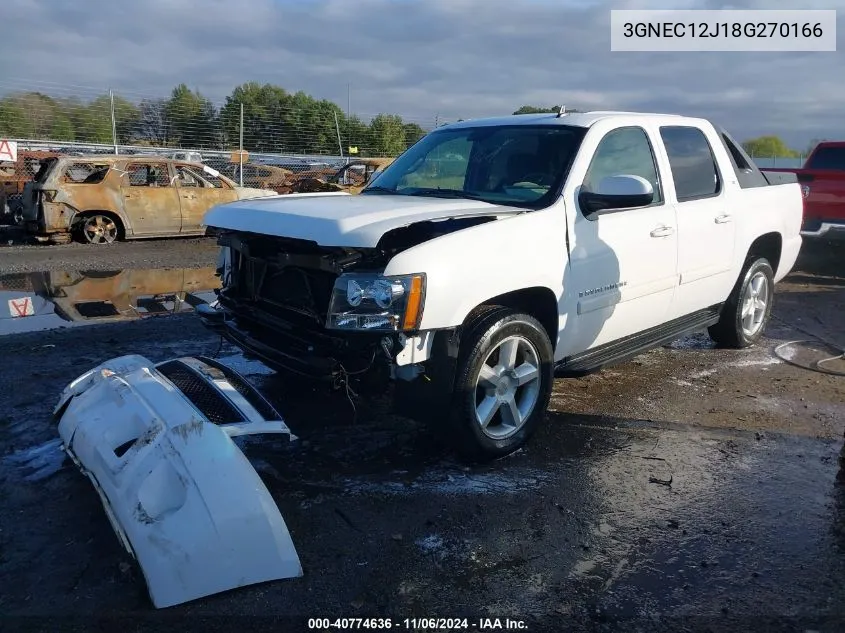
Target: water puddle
(33, 302)
(39, 462)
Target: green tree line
(275, 121)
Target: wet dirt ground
(692, 488)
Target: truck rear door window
(828, 157)
(691, 159)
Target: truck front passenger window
(624, 151)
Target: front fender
(468, 267)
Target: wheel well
(121, 230)
(768, 246)
(539, 302)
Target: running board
(626, 348)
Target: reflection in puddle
(39, 462)
(47, 300)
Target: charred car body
(13, 178)
(102, 199)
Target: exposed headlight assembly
(377, 303)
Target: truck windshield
(828, 157)
(518, 165)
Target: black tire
(491, 327)
(729, 331)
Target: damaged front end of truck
(325, 312)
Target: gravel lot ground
(574, 531)
(182, 253)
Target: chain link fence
(260, 136)
(772, 162)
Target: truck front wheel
(502, 384)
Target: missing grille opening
(210, 402)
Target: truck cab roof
(574, 119)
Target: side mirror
(616, 192)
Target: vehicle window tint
(691, 160)
(736, 156)
(625, 151)
(828, 158)
(85, 173)
(445, 166)
(148, 175)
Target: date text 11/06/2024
(418, 624)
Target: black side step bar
(626, 348)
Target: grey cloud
(418, 58)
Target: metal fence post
(241, 151)
(339, 141)
(113, 122)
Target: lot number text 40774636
(418, 624)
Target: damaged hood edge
(343, 220)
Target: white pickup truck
(497, 253)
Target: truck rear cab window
(692, 162)
(627, 151)
(747, 173)
(828, 157)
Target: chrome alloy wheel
(755, 301)
(507, 387)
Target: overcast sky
(418, 58)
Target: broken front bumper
(155, 440)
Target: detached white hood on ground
(341, 219)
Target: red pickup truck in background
(822, 180)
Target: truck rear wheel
(502, 384)
(746, 312)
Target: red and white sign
(21, 307)
(8, 150)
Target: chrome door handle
(662, 231)
(722, 219)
